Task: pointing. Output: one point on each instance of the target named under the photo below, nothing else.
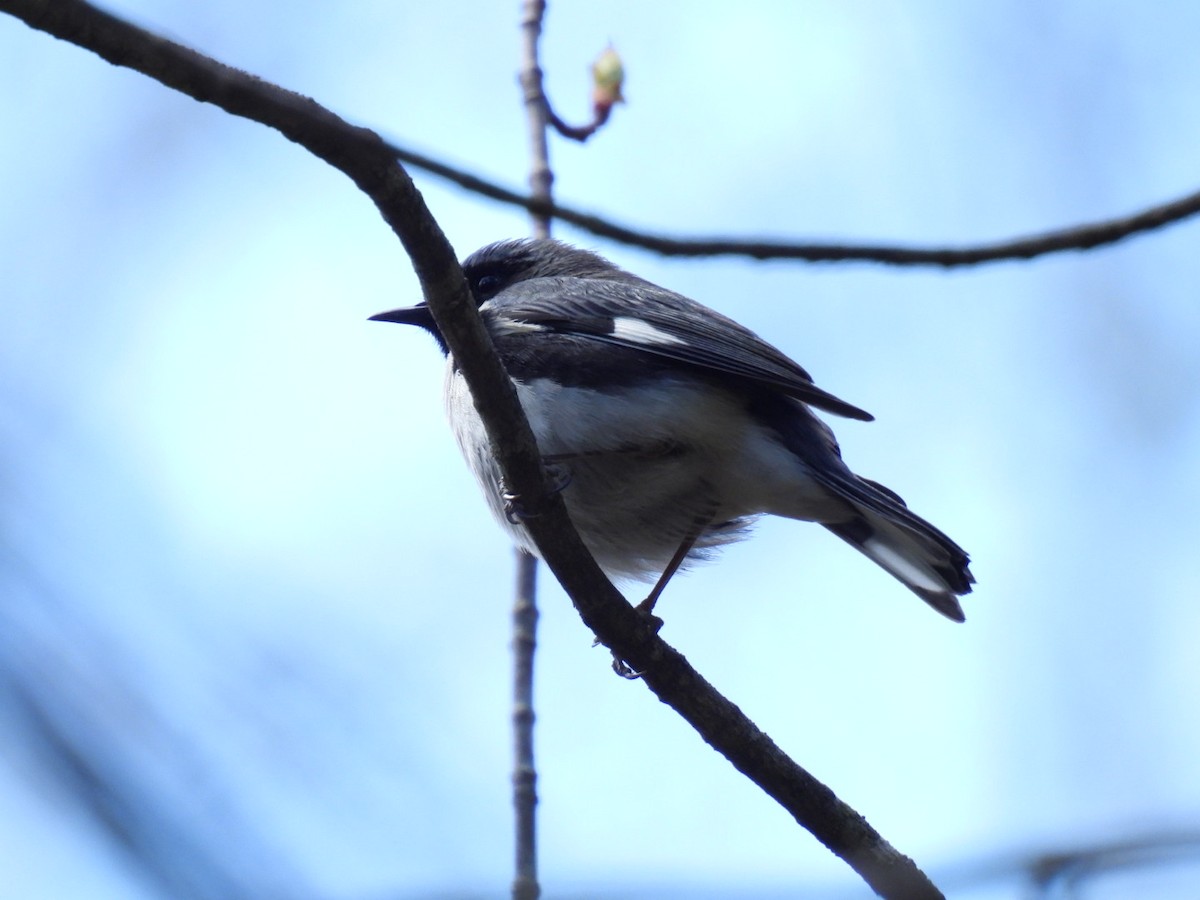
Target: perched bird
(672, 425)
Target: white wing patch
(504, 325)
(637, 331)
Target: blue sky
(243, 557)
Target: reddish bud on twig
(608, 76)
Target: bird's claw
(625, 670)
(557, 478)
(619, 665)
(514, 510)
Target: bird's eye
(488, 285)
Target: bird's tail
(923, 559)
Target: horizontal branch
(371, 164)
(1077, 237)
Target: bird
(670, 426)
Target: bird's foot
(557, 478)
(620, 665)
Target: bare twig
(525, 614)
(541, 113)
(524, 636)
(608, 75)
(575, 132)
(541, 176)
(1078, 237)
(362, 156)
(1069, 869)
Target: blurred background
(254, 617)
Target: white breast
(644, 463)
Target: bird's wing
(637, 315)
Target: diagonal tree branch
(370, 163)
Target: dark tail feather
(871, 518)
(922, 558)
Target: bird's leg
(646, 607)
(699, 524)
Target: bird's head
(498, 266)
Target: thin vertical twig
(524, 625)
(541, 178)
(525, 614)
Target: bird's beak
(418, 315)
